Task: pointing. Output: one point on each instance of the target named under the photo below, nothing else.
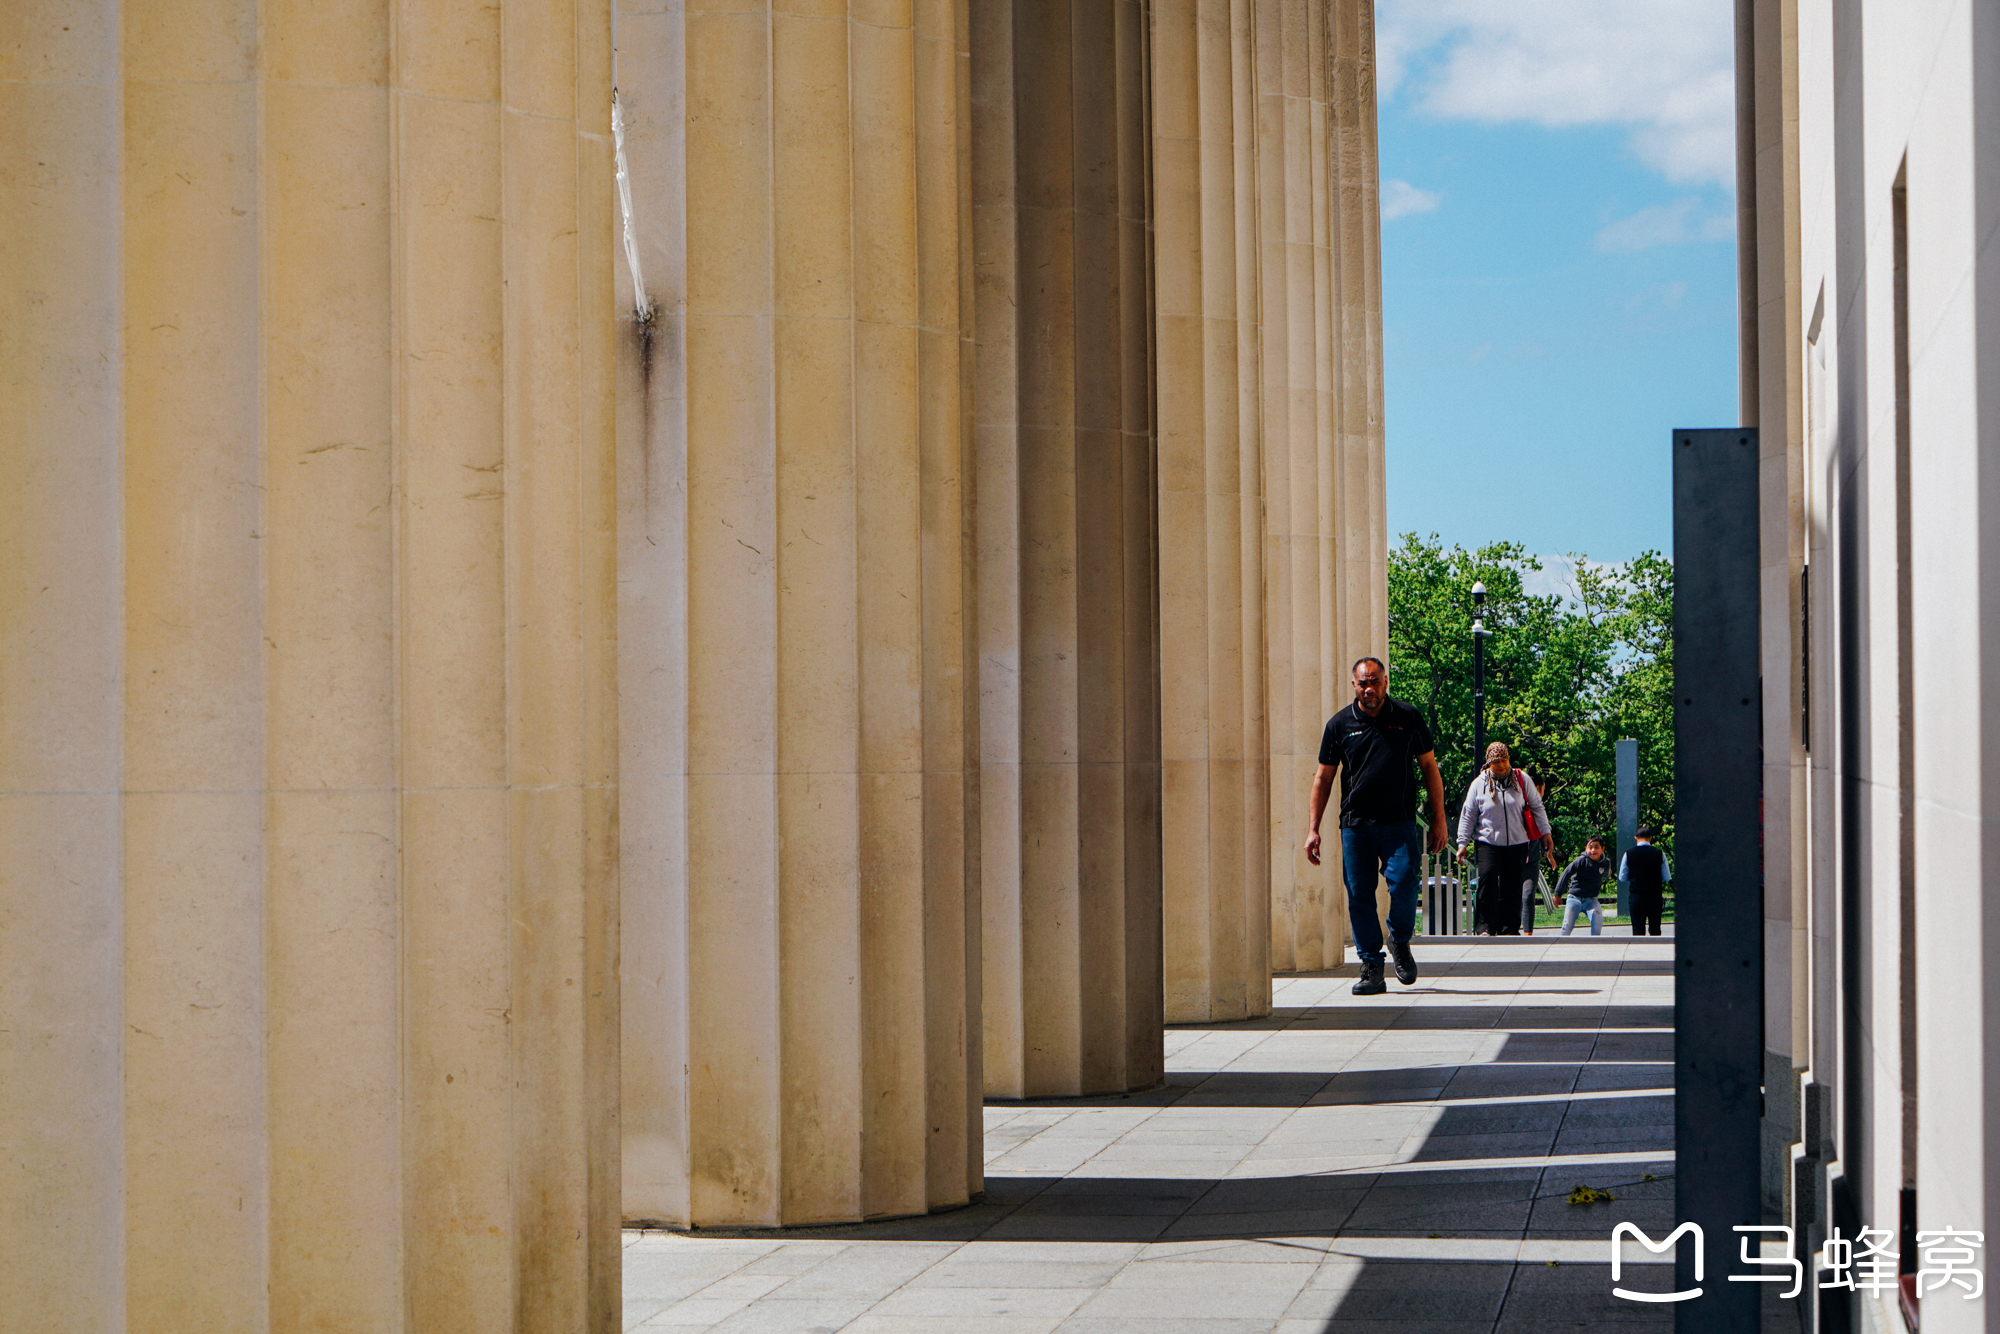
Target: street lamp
(1479, 633)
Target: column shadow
(1361, 1018)
(1408, 1204)
(1506, 1298)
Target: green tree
(1564, 679)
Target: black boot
(1406, 962)
(1370, 982)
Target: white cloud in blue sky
(1574, 302)
(1677, 223)
(1400, 199)
(1663, 70)
(1557, 577)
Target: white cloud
(1677, 223)
(1664, 69)
(1400, 197)
(1557, 577)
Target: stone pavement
(1347, 1166)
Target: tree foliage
(1565, 679)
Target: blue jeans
(1578, 904)
(1390, 850)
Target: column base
(793, 1229)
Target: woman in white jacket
(1495, 818)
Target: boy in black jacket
(1582, 881)
(1646, 874)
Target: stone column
(1067, 607)
(800, 951)
(1297, 201)
(62, 1022)
(1325, 545)
(310, 739)
(1363, 550)
(1216, 807)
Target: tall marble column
(1068, 649)
(1216, 802)
(62, 973)
(801, 936)
(310, 752)
(1363, 550)
(1325, 543)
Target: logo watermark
(1862, 1263)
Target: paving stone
(1241, 1251)
(1279, 1181)
(794, 1258)
(873, 1323)
(1567, 1310)
(1036, 1252)
(1348, 1145)
(1592, 1078)
(1129, 1198)
(1155, 1303)
(1480, 1183)
(1464, 1148)
(1510, 1081)
(961, 1272)
(1081, 1324)
(793, 1317)
(741, 1286)
(872, 1271)
(1413, 1305)
(1511, 1118)
(638, 1310)
(1303, 1192)
(701, 1311)
(1405, 1275)
(671, 1276)
(1342, 1326)
(1625, 1139)
(1340, 1097)
(1055, 1303)
(1080, 1227)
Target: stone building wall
(1869, 160)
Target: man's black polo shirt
(1378, 756)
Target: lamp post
(1479, 633)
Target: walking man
(1646, 874)
(1376, 741)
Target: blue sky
(1559, 266)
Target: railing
(1449, 890)
(1447, 900)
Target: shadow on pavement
(1440, 1295)
(1359, 1017)
(1457, 1203)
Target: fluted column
(62, 1021)
(310, 757)
(1363, 534)
(1216, 802)
(800, 946)
(1067, 611)
(1323, 563)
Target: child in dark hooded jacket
(1582, 881)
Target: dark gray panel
(1628, 807)
(1718, 867)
